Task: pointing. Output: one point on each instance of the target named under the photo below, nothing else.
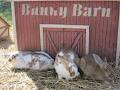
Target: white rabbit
(65, 66)
(32, 60)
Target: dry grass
(12, 79)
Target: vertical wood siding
(103, 30)
(55, 39)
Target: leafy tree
(5, 10)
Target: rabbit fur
(32, 60)
(65, 66)
(92, 65)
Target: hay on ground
(13, 79)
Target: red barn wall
(103, 30)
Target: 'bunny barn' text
(77, 10)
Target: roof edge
(63, 0)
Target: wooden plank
(76, 40)
(14, 24)
(100, 41)
(4, 22)
(83, 44)
(41, 38)
(19, 34)
(5, 30)
(52, 43)
(96, 30)
(118, 43)
(103, 34)
(3, 27)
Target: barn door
(57, 38)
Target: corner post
(118, 42)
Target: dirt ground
(12, 79)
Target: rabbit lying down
(32, 60)
(92, 65)
(65, 66)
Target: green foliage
(5, 11)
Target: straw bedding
(12, 79)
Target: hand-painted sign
(77, 10)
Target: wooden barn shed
(4, 29)
(85, 26)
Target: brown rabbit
(92, 65)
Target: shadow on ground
(46, 80)
(5, 43)
(42, 79)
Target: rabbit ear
(104, 64)
(71, 71)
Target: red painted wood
(51, 41)
(64, 38)
(76, 40)
(103, 30)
